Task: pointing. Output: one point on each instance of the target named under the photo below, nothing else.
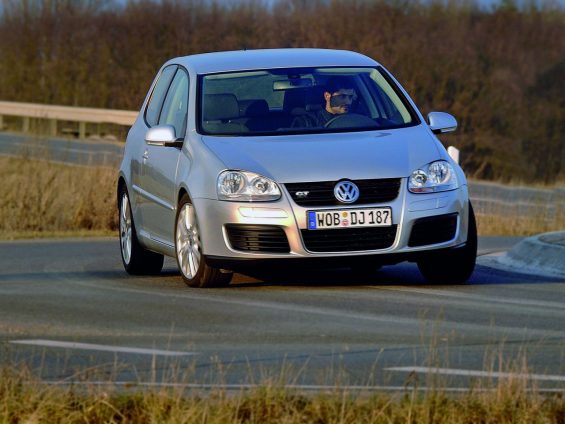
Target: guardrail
(542, 204)
(52, 114)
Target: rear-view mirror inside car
(289, 84)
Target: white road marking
(480, 298)
(102, 348)
(305, 387)
(475, 373)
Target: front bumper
(408, 207)
(298, 262)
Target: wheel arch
(181, 192)
(120, 186)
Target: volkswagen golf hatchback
(289, 157)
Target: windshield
(301, 100)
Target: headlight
(437, 176)
(245, 186)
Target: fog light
(262, 213)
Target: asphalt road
(69, 311)
(89, 152)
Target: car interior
(224, 113)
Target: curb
(540, 254)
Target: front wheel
(453, 267)
(188, 247)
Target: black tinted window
(156, 101)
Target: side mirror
(441, 122)
(162, 135)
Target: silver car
(289, 157)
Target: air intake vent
(433, 230)
(349, 239)
(322, 193)
(257, 238)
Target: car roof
(242, 60)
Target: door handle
(145, 155)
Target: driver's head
(339, 94)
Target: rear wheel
(453, 267)
(136, 259)
(188, 247)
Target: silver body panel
(156, 175)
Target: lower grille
(257, 238)
(432, 230)
(349, 239)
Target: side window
(156, 101)
(175, 108)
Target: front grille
(257, 238)
(322, 193)
(349, 239)
(433, 229)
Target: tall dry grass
(519, 209)
(24, 398)
(39, 196)
(510, 224)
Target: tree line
(501, 71)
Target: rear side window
(175, 108)
(156, 101)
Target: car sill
(152, 198)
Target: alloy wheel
(125, 229)
(188, 246)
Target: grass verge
(41, 198)
(26, 399)
(511, 224)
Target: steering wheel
(350, 120)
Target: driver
(338, 96)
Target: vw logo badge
(346, 192)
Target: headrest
(218, 107)
(253, 108)
(301, 98)
(315, 96)
(294, 98)
(313, 107)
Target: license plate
(334, 219)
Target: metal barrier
(82, 115)
(543, 204)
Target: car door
(159, 166)
(150, 118)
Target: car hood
(328, 157)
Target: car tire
(136, 259)
(189, 254)
(454, 267)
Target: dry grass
(24, 398)
(518, 209)
(40, 198)
(490, 224)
